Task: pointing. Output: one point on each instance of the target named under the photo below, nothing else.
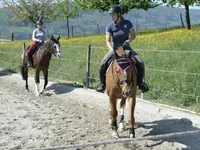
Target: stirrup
(29, 64)
(143, 87)
(101, 88)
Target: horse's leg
(26, 76)
(45, 73)
(37, 81)
(121, 121)
(113, 106)
(131, 119)
(24, 73)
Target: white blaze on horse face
(58, 51)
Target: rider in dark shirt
(119, 30)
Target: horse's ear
(52, 38)
(58, 38)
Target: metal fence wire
(80, 64)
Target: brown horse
(41, 60)
(121, 83)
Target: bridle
(54, 49)
(125, 81)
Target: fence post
(98, 29)
(13, 36)
(88, 67)
(23, 50)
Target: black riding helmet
(115, 9)
(39, 22)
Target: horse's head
(124, 71)
(56, 46)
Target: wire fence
(177, 81)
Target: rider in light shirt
(38, 37)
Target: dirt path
(68, 115)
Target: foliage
(186, 3)
(64, 9)
(127, 5)
(29, 10)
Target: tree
(65, 9)
(186, 4)
(104, 5)
(29, 10)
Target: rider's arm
(108, 37)
(45, 34)
(33, 37)
(108, 41)
(132, 35)
(131, 32)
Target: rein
(50, 51)
(114, 78)
(118, 86)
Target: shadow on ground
(191, 141)
(62, 88)
(6, 72)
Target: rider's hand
(126, 43)
(112, 49)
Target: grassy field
(171, 60)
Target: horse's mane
(48, 45)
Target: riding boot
(141, 84)
(101, 87)
(29, 59)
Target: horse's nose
(58, 55)
(126, 93)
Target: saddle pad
(123, 63)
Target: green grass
(171, 60)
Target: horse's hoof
(115, 135)
(110, 122)
(132, 136)
(41, 92)
(121, 127)
(37, 94)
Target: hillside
(86, 22)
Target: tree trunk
(187, 14)
(67, 18)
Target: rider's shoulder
(126, 21)
(111, 24)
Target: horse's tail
(23, 72)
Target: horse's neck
(48, 46)
(44, 51)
